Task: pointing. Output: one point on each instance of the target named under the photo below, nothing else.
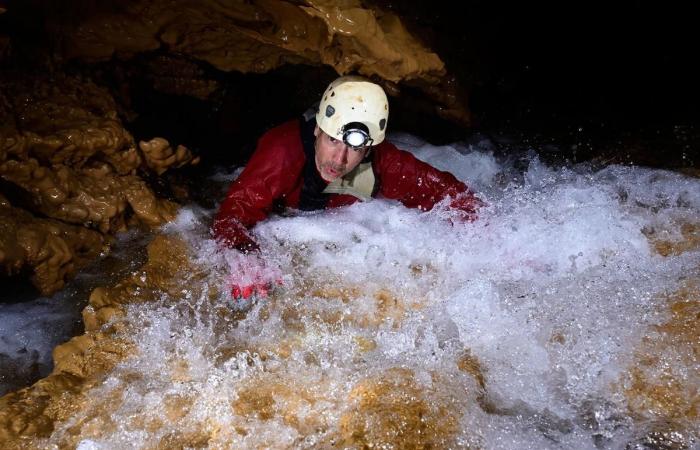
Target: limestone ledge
(660, 385)
(81, 363)
(65, 157)
(261, 35)
(54, 250)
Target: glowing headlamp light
(356, 136)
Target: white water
(550, 290)
(30, 329)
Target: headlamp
(356, 136)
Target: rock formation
(67, 159)
(51, 249)
(83, 361)
(257, 37)
(661, 386)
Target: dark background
(613, 77)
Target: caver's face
(334, 159)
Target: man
(333, 160)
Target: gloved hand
(464, 207)
(251, 275)
(261, 289)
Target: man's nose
(341, 155)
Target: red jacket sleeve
(419, 185)
(272, 172)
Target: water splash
(529, 328)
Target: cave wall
(71, 176)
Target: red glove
(245, 292)
(250, 275)
(463, 207)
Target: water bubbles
(394, 328)
(375, 255)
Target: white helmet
(354, 110)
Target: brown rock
(661, 385)
(67, 156)
(52, 251)
(259, 36)
(82, 362)
(390, 411)
(160, 156)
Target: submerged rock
(83, 362)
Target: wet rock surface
(68, 162)
(83, 361)
(52, 250)
(256, 37)
(287, 382)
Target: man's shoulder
(282, 144)
(284, 134)
(387, 153)
(385, 146)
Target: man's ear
(317, 130)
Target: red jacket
(275, 175)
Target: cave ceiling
(255, 37)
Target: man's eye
(333, 140)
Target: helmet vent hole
(333, 94)
(329, 111)
(382, 124)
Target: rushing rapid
(553, 321)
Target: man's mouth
(333, 172)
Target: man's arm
(270, 174)
(419, 185)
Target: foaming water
(30, 329)
(399, 329)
